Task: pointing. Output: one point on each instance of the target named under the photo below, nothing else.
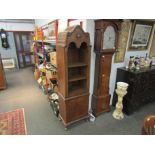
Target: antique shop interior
(77, 77)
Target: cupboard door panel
(77, 108)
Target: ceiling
(17, 20)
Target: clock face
(109, 38)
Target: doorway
(23, 42)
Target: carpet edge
(24, 121)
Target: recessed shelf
(77, 91)
(76, 64)
(77, 87)
(76, 78)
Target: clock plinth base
(100, 104)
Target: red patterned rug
(13, 123)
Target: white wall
(77, 22)
(17, 26)
(90, 25)
(62, 25)
(42, 22)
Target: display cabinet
(2, 76)
(73, 61)
(106, 42)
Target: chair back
(149, 125)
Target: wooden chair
(149, 125)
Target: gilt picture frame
(140, 35)
(52, 30)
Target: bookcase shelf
(76, 88)
(75, 74)
(77, 64)
(76, 78)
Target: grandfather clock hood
(100, 28)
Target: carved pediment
(73, 34)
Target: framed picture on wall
(53, 30)
(140, 35)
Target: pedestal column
(121, 91)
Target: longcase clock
(106, 43)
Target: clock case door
(101, 96)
